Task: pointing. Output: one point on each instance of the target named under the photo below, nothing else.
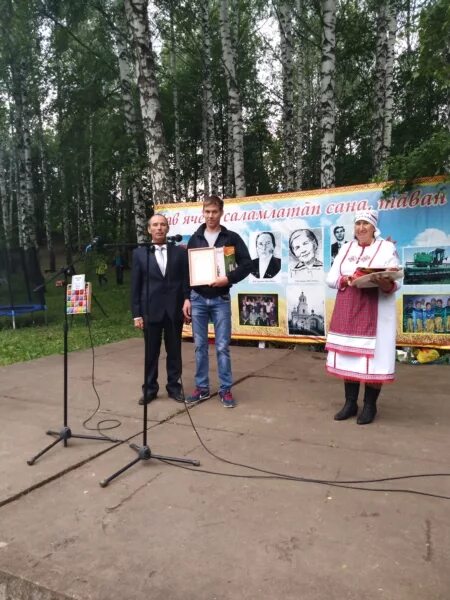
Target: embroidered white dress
(362, 356)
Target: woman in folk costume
(361, 336)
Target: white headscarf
(369, 215)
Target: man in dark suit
(163, 271)
(266, 266)
(339, 234)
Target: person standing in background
(119, 266)
(101, 268)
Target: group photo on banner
(294, 238)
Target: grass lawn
(32, 338)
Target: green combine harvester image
(428, 266)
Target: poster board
(291, 302)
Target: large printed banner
(293, 239)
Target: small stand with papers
(77, 300)
(78, 296)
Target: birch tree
(327, 94)
(234, 101)
(300, 99)
(131, 128)
(137, 15)
(5, 200)
(176, 109)
(285, 16)
(46, 194)
(388, 86)
(210, 172)
(380, 85)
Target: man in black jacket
(339, 234)
(163, 273)
(212, 303)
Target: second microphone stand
(65, 432)
(144, 452)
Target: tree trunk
(298, 150)
(78, 207)
(31, 241)
(4, 199)
(47, 196)
(205, 149)
(90, 199)
(327, 95)
(389, 94)
(286, 43)
(234, 101)
(176, 111)
(137, 15)
(131, 127)
(380, 83)
(229, 187)
(211, 175)
(25, 204)
(65, 216)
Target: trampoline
(21, 309)
(20, 275)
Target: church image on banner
(304, 320)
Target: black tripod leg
(99, 305)
(39, 454)
(105, 482)
(94, 437)
(145, 453)
(63, 436)
(188, 461)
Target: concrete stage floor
(160, 532)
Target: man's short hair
(213, 200)
(338, 227)
(157, 215)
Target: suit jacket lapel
(154, 266)
(170, 258)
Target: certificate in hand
(202, 266)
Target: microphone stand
(65, 432)
(144, 452)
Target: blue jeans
(217, 310)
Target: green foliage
(434, 48)
(421, 138)
(431, 157)
(70, 70)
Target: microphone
(173, 239)
(95, 243)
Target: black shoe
(370, 405)
(150, 398)
(348, 410)
(367, 414)
(177, 396)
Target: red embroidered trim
(365, 377)
(349, 349)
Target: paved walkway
(222, 531)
